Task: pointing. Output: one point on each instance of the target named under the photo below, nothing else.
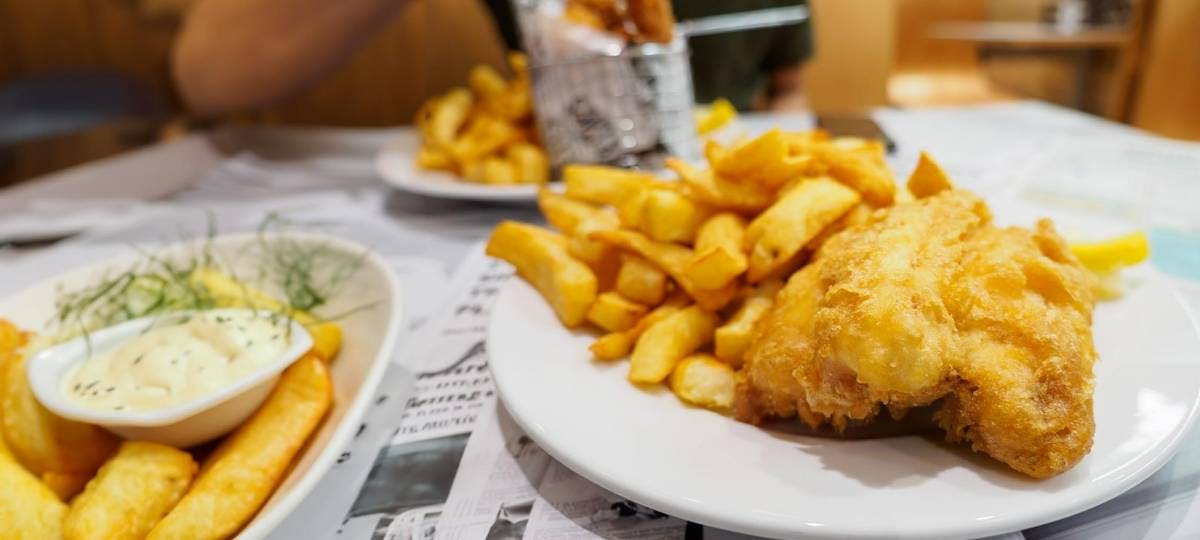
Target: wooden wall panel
(1167, 98)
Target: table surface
(1111, 177)
(1030, 35)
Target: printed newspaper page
(412, 476)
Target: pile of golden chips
(676, 274)
(484, 133)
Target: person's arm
(787, 89)
(235, 55)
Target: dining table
(1097, 177)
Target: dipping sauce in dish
(179, 360)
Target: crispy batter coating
(928, 301)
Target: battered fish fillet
(928, 302)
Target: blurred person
(239, 55)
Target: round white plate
(395, 164)
(694, 464)
(368, 342)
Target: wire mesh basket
(630, 109)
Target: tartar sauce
(179, 361)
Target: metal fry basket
(631, 109)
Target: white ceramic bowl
(369, 341)
(183, 425)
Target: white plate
(395, 164)
(369, 337)
(700, 466)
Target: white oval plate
(368, 339)
(700, 466)
(395, 164)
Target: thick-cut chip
(668, 341)
(714, 152)
(42, 441)
(65, 485)
(577, 219)
(483, 136)
(572, 216)
(928, 178)
(603, 185)
(243, 472)
(668, 216)
(615, 345)
(614, 313)
(442, 117)
(859, 170)
(716, 115)
(28, 509)
(533, 167)
(327, 339)
(718, 193)
(802, 142)
(859, 214)
(131, 493)
(672, 259)
(718, 258)
(764, 160)
(432, 158)
(640, 281)
(498, 171)
(541, 257)
(732, 339)
(776, 236)
(702, 380)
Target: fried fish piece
(928, 300)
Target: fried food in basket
(484, 133)
(887, 305)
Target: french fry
(616, 345)
(860, 171)
(672, 259)
(130, 493)
(715, 116)
(763, 160)
(928, 178)
(327, 340)
(860, 213)
(668, 341)
(498, 171)
(702, 380)
(718, 255)
(640, 281)
(443, 117)
(577, 219)
(41, 441)
(732, 339)
(598, 184)
(532, 165)
(432, 158)
(483, 136)
(541, 257)
(243, 472)
(28, 509)
(668, 216)
(572, 216)
(65, 485)
(777, 235)
(718, 193)
(614, 313)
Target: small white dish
(395, 164)
(183, 425)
